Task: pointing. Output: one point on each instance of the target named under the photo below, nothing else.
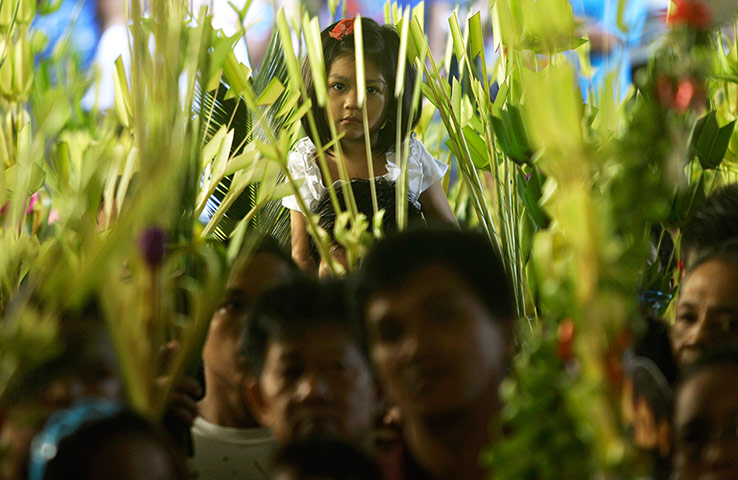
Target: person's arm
(300, 245)
(435, 205)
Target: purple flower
(151, 243)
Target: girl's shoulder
(417, 153)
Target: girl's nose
(351, 101)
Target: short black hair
(382, 48)
(266, 244)
(714, 223)
(326, 458)
(386, 200)
(292, 308)
(392, 261)
(75, 451)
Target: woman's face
(707, 311)
(343, 103)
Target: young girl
(381, 49)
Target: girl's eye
(339, 87)
(372, 90)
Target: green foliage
(710, 141)
(567, 192)
(538, 413)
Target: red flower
(685, 94)
(693, 13)
(343, 29)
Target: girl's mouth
(350, 120)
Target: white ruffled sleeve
(302, 166)
(433, 170)
(422, 169)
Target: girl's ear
(252, 395)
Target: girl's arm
(435, 205)
(300, 246)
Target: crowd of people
(391, 372)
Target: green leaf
(476, 36)
(237, 75)
(311, 28)
(709, 141)
(459, 45)
(359, 54)
(417, 46)
(122, 94)
(531, 190)
(404, 31)
(245, 160)
(456, 98)
(511, 134)
(271, 93)
(477, 147)
(222, 47)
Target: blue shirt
(75, 18)
(604, 14)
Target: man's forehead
(423, 288)
(327, 340)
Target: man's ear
(254, 398)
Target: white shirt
(223, 452)
(422, 171)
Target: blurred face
(707, 311)
(343, 103)
(94, 373)
(436, 346)
(706, 426)
(223, 343)
(319, 383)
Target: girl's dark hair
(382, 48)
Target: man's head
(707, 307)
(438, 310)
(386, 200)
(308, 366)
(249, 277)
(706, 420)
(714, 223)
(94, 439)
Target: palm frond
(234, 114)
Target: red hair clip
(343, 29)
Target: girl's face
(343, 103)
